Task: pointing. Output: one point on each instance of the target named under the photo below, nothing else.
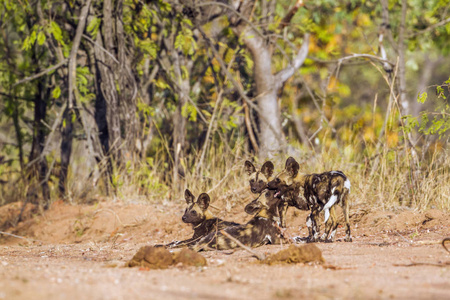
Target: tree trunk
(66, 149)
(107, 82)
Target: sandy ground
(78, 252)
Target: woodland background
(138, 100)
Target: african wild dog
(321, 192)
(202, 220)
(259, 179)
(260, 230)
(258, 183)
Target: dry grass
(388, 187)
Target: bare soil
(80, 252)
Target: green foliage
(189, 111)
(84, 84)
(56, 92)
(436, 121)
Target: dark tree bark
(66, 149)
(39, 134)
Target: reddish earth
(78, 252)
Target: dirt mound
(152, 258)
(161, 258)
(296, 254)
(189, 257)
(12, 212)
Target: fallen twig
(408, 241)
(258, 256)
(333, 267)
(18, 236)
(443, 264)
(443, 243)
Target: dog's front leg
(282, 210)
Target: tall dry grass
(392, 185)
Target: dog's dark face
(195, 211)
(258, 179)
(285, 177)
(266, 200)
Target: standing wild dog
(260, 230)
(258, 183)
(259, 179)
(202, 220)
(322, 192)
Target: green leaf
(179, 41)
(93, 26)
(41, 38)
(56, 92)
(422, 97)
(56, 31)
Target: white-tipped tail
(329, 204)
(347, 185)
(327, 214)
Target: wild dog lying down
(202, 220)
(260, 230)
(322, 192)
(259, 179)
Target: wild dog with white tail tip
(322, 192)
(262, 229)
(202, 220)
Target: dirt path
(89, 264)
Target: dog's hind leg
(345, 206)
(330, 227)
(332, 236)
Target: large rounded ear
(267, 169)
(189, 197)
(292, 167)
(253, 207)
(203, 201)
(249, 167)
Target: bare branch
(40, 74)
(73, 52)
(257, 255)
(298, 61)
(287, 19)
(429, 28)
(102, 48)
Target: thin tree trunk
(40, 168)
(66, 149)
(108, 80)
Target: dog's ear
(253, 207)
(203, 201)
(292, 167)
(249, 167)
(189, 197)
(267, 169)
